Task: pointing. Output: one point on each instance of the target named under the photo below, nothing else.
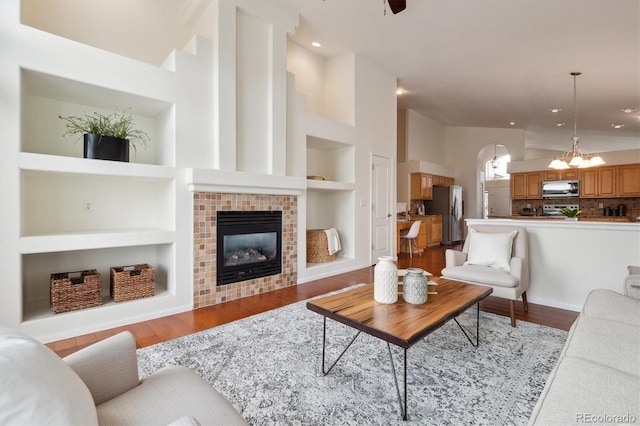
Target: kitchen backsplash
(589, 206)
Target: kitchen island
(569, 259)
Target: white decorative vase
(414, 287)
(385, 280)
(571, 219)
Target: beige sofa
(100, 385)
(597, 378)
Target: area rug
(268, 366)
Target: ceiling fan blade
(397, 5)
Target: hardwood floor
(158, 330)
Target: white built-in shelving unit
(330, 203)
(78, 213)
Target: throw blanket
(333, 241)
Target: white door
(499, 200)
(382, 214)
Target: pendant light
(494, 161)
(575, 157)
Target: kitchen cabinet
(570, 174)
(551, 175)
(421, 186)
(629, 180)
(442, 181)
(599, 182)
(434, 236)
(526, 185)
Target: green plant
(570, 212)
(117, 125)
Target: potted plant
(106, 137)
(570, 214)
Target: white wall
(425, 138)
(151, 28)
(309, 70)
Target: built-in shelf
(329, 185)
(42, 310)
(94, 240)
(83, 166)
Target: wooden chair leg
(525, 304)
(512, 308)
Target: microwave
(561, 189)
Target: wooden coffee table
(401, 323)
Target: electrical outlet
(87, 206)
(601, 205)
(528, 206)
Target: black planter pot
(106, 148)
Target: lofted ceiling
(487, 63)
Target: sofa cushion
(490, 249)
(578, 391)
(480, 275)
(605, 342)
(608, 304)
(38, 387)
(167, 396)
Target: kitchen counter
(580, 219)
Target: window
(496, 168)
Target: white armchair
(632, 282)
(495, 256)
(100, 385)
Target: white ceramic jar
(414, 286)
(385, 280)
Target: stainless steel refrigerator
(447, 201)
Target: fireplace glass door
(249, 245)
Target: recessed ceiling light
(555, 110)
(628, 110)
(617, 126)
(316, 44)
(512, 123)
(559, 124)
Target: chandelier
(575, 157)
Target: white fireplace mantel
(212, 180)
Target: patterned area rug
(268, 366)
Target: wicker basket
(317, 247)
(69, 291)
(132, 282)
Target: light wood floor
(166, 328)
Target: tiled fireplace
(206, 206)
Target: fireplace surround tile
(205, 208)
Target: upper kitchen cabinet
(629, 180)
(551, 175)
(526, 185)
(421, 186)
(599, 182)
(442, 181)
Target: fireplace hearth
(249, 245)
